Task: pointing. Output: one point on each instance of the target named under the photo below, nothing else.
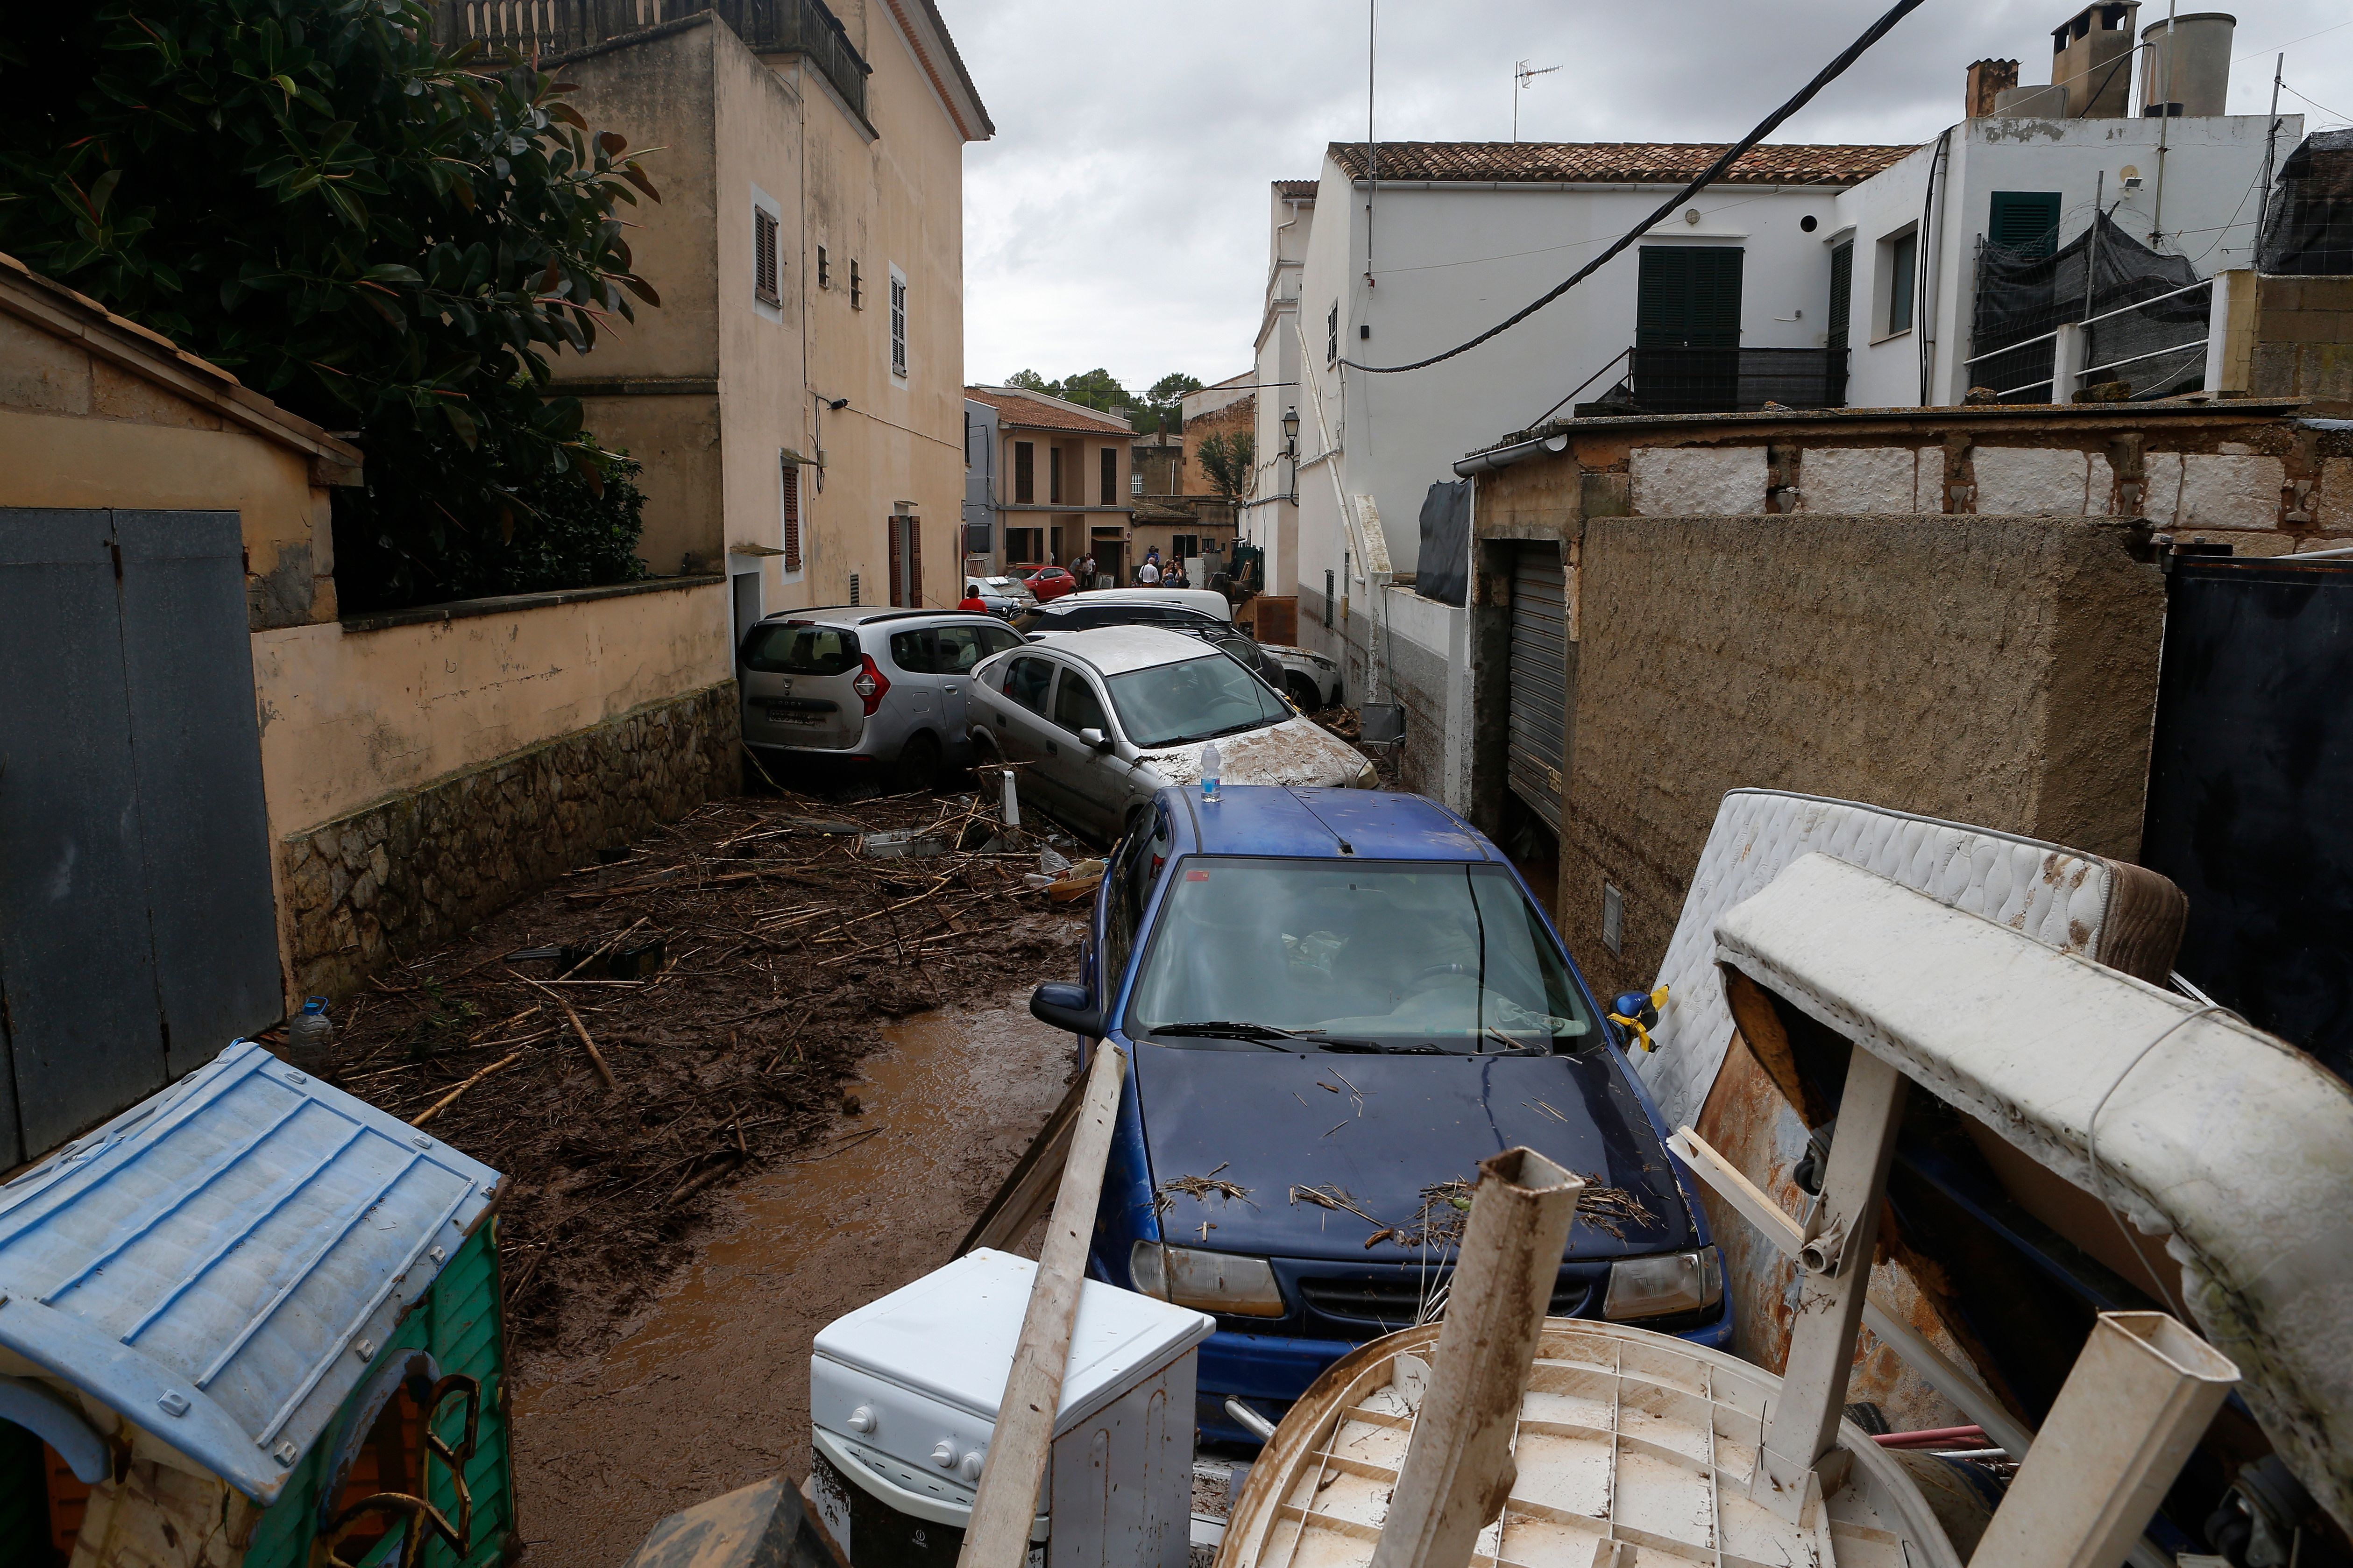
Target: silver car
(871, 688)
(1108, 718)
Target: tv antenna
(1522, 74)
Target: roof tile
(1617, 163)
(1019, 409)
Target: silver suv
(874, 688)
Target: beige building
(796, 399)
(1063, 480)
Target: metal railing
(2024, 345)
(1733, 381)
(537, 27)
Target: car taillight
(871, 684)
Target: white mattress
(2056, 896)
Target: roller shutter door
(1537, 679)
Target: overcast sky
(1119, 217)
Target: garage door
(1539, 678)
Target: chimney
(1986, 77)
(2091, 56)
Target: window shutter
(1053, 476)
(1688, 297)
(915, 562)
(791, 477)
(1025, 473)
(763, 257)
(898, 565)
(1110, 476)
(1841, 291)
(898, 326)
(2025, 221)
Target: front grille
(1395, 1302)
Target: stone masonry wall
(2303, 342)
(427, 865)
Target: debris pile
(623, 1043)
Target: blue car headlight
(1207, 1281)
(1672, 1282)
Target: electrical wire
(2315, 102)
(1708, 176)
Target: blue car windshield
(1368, 955)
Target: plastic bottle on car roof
(1210, 764)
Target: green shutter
(1841, 291)
(1688, 297)
(2025, 221)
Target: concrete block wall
(2303, 342)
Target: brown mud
(707, 1387)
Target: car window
(1399, 955)
(1171, 704)
(1133, 867)
(1076, 706)
(797, 647)
(913, 652)
(1026, 681)
(983, 641)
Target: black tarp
(2023, 296)
(2308, 223)
(1443, 571)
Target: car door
(954, 650)
(1027, 689)
(915, 682)
(1094, 782)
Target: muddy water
(708, 1389)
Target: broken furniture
(257, 1313)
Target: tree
(1031, 381)
(1228, 461)
(1164, 406)
(382, 237)
(1097, 388)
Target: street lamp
(1290, 432)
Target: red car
(1047, 582)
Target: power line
(1715, 170)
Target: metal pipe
(2092, 246)
(1504, 456)
(2134, 1405)
(1458, 1468)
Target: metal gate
(2250, 780)
(1539, 678)
(138, 929)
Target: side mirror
(1095, 740)
(1066, 1006)
(1635, 1004)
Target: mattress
(2107, 910)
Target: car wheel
(919, 763)
(1303, 693)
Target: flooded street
(707, 1390)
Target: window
(1688, 297)
(949, 651)
(1111, 476)
(1026, 681)
(788, 477)
(2025, 221)
(1332, 335)
(1025, 544)
(857, 286)
(763, 258)
(798, 648)
(1185, 546)
(853, 588)
(1076, 706)
(898, 322)
(1841, 291)
(1172, 704)
(1328, 600)
(824, 270)
(1139, 857)
(1025, 472)
(1054, 475)
(1898, 271)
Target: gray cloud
(1119, 217)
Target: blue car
(1338, 1002)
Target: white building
(1798, 276)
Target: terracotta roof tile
(1296, 188)
(1616, 162)
(1019, 409)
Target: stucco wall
(2001, 671)
(350, 716)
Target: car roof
(1316, 824)
(1115, 650)
(869, 615)
(1204, 601)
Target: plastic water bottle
(1210, 764)
(310, 1029)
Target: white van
(1207, 601)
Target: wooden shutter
(1688, 297)
(1841, 291)
(1025, 472)
(1053, 476)
(898, 565)
(1111, 476)
(915, 562)
(791, 478)
(898, 326)
(2025, 221)
(763, 257)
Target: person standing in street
(1148, 574)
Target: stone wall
(2303, 342)
(423, 866)
(1998, 672)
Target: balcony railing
(557, 26)
(1734, 380)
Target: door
(1094, 782)
(138, 927)
(1023, 731)
(955, 649)
(914, 680)
(2250, 770)
(1537, 676)
(1687, 328)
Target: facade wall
(1235, 416)
(2303, 342)
(1270, 519)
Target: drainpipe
(1504, 456)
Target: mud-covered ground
(785, 949)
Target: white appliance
(903, 1394)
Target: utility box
(903, 1396)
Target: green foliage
(384, 238)
(1097, 388)
(1031, 381)
(1228, 460)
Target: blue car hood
(1381, 1128)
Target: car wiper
(1375, 1048)
(1256, 1034)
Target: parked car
(866, 687)
(1149, 607)
(1337, 1002)
(1045, 582)
(1310, 680)
(1201, 601)
(1108, 718)
(1005, 596)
